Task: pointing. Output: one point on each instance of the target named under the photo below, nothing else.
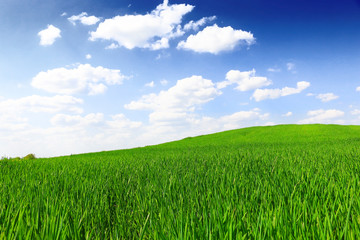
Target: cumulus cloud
(84, 19)
(245, 81)
(195, 25)
(152, 30)
(88, 56)
(49, 35)
(214, 39)
(185, 96)
(358, 89)
(326, 97)
(263, 94)
(322, 116)
(80, 79)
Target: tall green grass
(281, 182)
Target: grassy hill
(286, 181)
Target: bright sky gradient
(84, 76)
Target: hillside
(300, 181)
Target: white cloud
(195, 25)
(237, 119)
(326, 97)
(288, 114)
(69, 134)
(49, 35)
(322, 116)
(84, 19)
(76, 80)
(152, 30)
(38, 104)
(358, 89)
(63, 14)
(88, 56)
(14, 112)
(263, 94)
(119, 121)
(112, 46)
(150, 84)
(245, 81)
(184, 97)
(216, 39)
(274, 70)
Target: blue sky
(84, 76)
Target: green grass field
(279, 182)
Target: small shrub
(29, 157)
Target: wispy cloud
(326, 97)
(195, 25)
(150, 84)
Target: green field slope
(278, 182)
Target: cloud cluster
(12, 111)
(49, 35)
(263, 94)
(177, 101)
(322, 116)
(80, 79)
(84, 19)
(152, 30)
(214, 39)
(245, 81)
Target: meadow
(276, 182)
